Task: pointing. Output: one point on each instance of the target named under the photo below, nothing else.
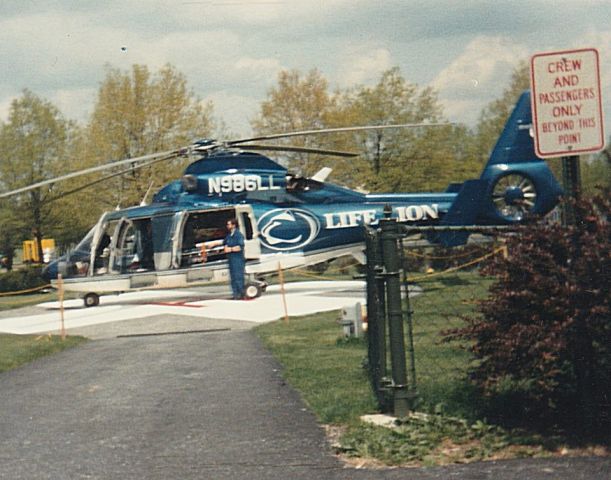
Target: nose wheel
(91, 299)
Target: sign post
(567, 111)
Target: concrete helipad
(204, 306)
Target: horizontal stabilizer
(454, 188)
(463, 211)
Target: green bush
(542, 344)
(22, 279)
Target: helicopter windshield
(84, 246)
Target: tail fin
(519, 184)
(516, 144)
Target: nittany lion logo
(287, 228)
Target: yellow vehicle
(31, 252)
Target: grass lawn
(318, 363)
(441, 367)
(15, 350)
(328, 371)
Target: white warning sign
(566, 103)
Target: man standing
(234, 248)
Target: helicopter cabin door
(248, 226)
(199, 230)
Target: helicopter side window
(145, 243)
(162, 226)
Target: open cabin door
(248, 226)
(196, 229)
(178, 225)
(99, 242)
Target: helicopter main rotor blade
(292, 148)
(86, 171)
(108, 177)
(337, 130)
(168, 155)
(198, 148)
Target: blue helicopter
(287, 220)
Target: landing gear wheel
(514, 196)
(91, 299)
(253, 290)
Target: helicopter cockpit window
(200, 229)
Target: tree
(140, 113)
(34, 146)
(299, 102)
(77, 207)
(423, 158)
(10, 234)
(596, 173)
(390, 159)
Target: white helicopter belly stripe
(208, 273)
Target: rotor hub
(513, 195)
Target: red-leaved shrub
(542, 344)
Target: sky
(231, 51)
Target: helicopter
(287, 220)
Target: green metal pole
(373, 315)
(380, 290)
(571, 180)
(411, 355)
(392, 267)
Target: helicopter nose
(50, 271)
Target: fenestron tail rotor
(514, 196)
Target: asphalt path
(153, 403)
